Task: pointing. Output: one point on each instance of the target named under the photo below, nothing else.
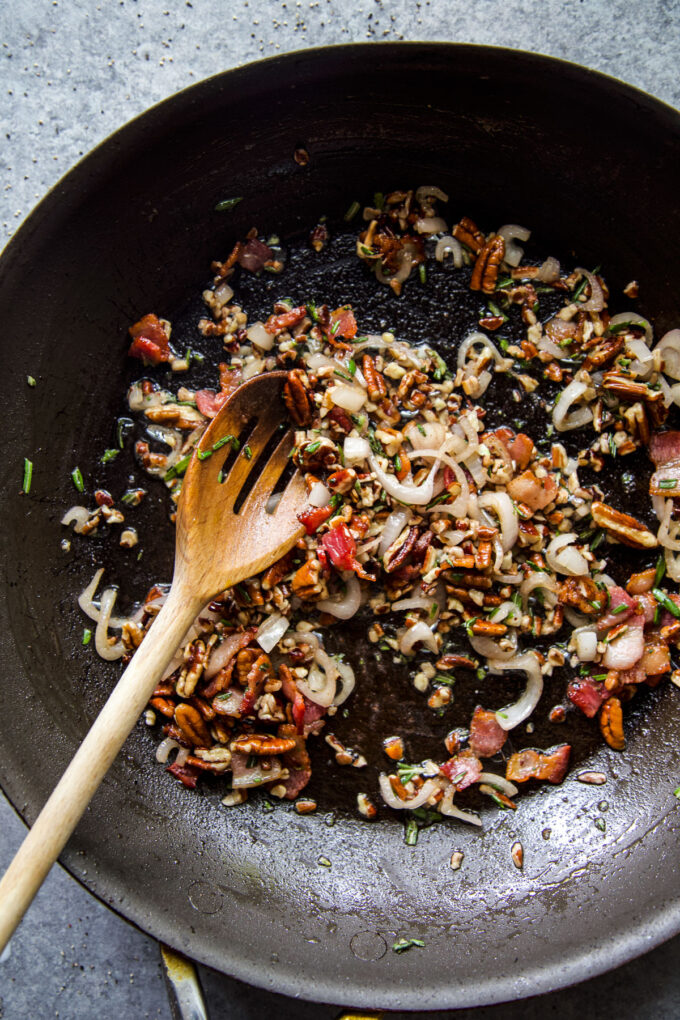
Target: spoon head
(240, 495)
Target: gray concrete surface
(73, 71)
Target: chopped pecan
(164, 705)
(319, 237)
(611, 723)
(341, 419)
(394, 748)
(296, 399)
(245, 659)
(469, 234)
(374, 380)
(278, 323)
(277, 572)
(642, 582)
(582, 593)
(262, 743)
(192, 725)
(605, 352)
(408, 381)
(260, 671)
(305, 582)
(487, 628)
(623, 527)
(342, 480)
(399, 550)
(483, 556)
(485, 272)
(629, 391)
(222, 268)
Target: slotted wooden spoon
(222, 538)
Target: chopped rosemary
(667, 483)
(401, 945)
(351, 212)
(87, 636)
(439, 678)
(28, 476)
(227, 204)
(660, 570)
(313, 447)
(223, 442)
(422, 272)
(247, 453)
(30, 380)
(411, 836)
(343, 375)
(77, 479)
(379, 200)
(676, 792)
(619, 609)
(352, 366)
(441, 370)
(204, 454)
(177, 469)
(596, 541)
(664, 601)
(109, 455)
(421, 429)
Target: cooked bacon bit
(557, 714)
(343, 324)
(521, 449)
(276, 324)
(664, 447)
(150, 342)
(469, 234)
(463, 770)
(187, 774)
(319, 237)
(611, 724)
(486, 736)
(548, 765)
(341, 548)
(485, 272)
(587, 694)
(394, 748)
(312, 517)
(222, 268)
(536, 492)
(254, 255)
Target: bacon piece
(634, 675)
(343, 323)
(521, 449)
(618, 597)
(312, 517)
(277, 323)
(647, 606)
(341, 548)
(229, 702)
(529, 764)
(486, 736)
(664, 447)
(254, 254)
(210, 403)
(150, 342)
(535, 492)
(463, 770)
(587, 694)
(266, 769)
(187, 774)
(296, 761)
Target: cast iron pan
(591, 165)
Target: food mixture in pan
(469, 551)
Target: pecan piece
(163, 705)
(399, 550)
(192, 725)
(611, 723)
(262, 743)
(483, 556)
(305, 582)
(469, 234)
(296, 399)
(623, 527)
(375, 382)
(244, 662)
(582, 593)
(486, 628)
(342, 481)
(629, 391)
(276, 324)
(276, 572)
(485, 272)
(605, 352)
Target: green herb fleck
(87, 636)
(441, 371)
(600, 824)
(422, 272)
(178, 469)
(351, 212)
(667, 483)
(77, 479)
(619, 609)
(204, 454)
(227, 204)
(676, 792)
(411, 835)
(28, 476)
(664, 601)
(323, 861)
(30, 380)
(313, 447)
(401, 945)
(379, 200)
(109, 455)
(247, 453)
(660, 570)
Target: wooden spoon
(224, 535)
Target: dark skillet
(591, 165)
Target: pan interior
(133, 229)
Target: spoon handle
(60, 815)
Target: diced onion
(499, 782)
(271, 631)
(507, 611)
(516, 713)
(259, 336)
(429, 787)
(418, 632)
(415, 495)
(595, 302)
(272, 503)
(105, 649)
(347, 679)
(669, 348)
(562, 418)
(502, 506)
(164, 748)
(538, 579)
(343, 607)
(585, 643)
(430, 225)
(564, 558)
(492, 650)
(356, 449)
(392, 529)
(223, 293)
(319, 495)
(479, 338)
(422, 435)
(643, 363)
(549, 271)
(77, 515)
(449, 246)
(550, 347)
(448, 808)
(426, 191)
(348, 397)
(510, 233)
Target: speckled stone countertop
(71, 72)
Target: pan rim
(623, 946)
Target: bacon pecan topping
(296, 399)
